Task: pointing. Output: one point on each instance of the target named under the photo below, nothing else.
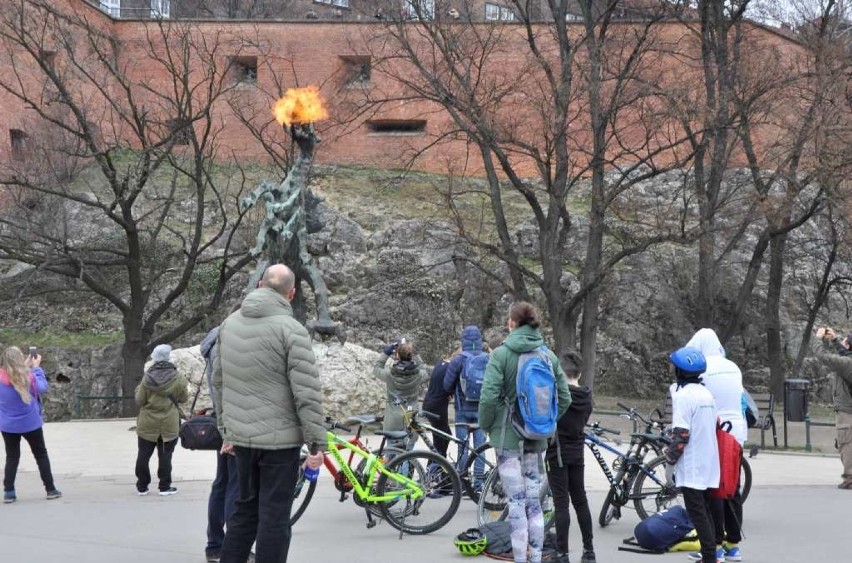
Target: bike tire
(473, 492)
(745, 479)
(493, 503)
(304, 494)
(441, 496)
(644, 489)
(388, 453)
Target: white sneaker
(168, 492)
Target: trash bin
(796, 399)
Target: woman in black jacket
(567, 478)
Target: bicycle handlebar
(632, 413)
(333, 424)
(598, 429)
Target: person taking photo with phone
(22, 381)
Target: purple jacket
(17, 417)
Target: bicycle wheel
(745, 479)
(388, 454)
(611, 509)
(472, 482)
(302, 498)
(651, 493)
(493, 502)
(441, 488)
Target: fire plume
(300, 106)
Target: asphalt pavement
(794, 513)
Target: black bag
(200, 433)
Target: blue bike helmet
(689, 360)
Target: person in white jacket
(724, 380)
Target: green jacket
(500, 386)
(265, 377)
(404, 379)
(158, 415)
(841, 365)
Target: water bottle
(312, 474)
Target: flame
(300, 105)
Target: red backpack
(730, 454)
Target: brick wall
(325, 53)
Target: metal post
(785, 417)
(77, 405)
(807, 432)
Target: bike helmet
(471, 542)
(689, 360)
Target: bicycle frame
(593, 442)
(375, 466)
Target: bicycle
(472, 482)
(391, 483)
(493, 502)
(626, 485)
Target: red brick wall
(309, 53)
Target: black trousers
(443, 424)
(728, 518)
(568, 486)
(697, 505)
(35, 439)
(267, 484)
(164, 463)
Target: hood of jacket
(471, 339)
(707, 341)
(160, 375)
(265, 302)
(208, 343)
(523, 339)
(581, 397)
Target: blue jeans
(222, 502)
(479, 438)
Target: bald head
(280, 278)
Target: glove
(391, 348)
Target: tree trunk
(813, 310)
(774, 349)
(134, 352)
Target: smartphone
(33, 352)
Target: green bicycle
(403, 488)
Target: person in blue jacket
(467, 411)
(21, 382)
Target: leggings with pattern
(521, 479)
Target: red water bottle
(312, 474)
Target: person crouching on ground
(404, 379)
(21, 382)
(693, 450)
(565, 463)
(158, 423)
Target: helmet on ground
(689, 360)
(471, 542)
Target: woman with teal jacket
(519, 461)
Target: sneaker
(562, 558)
(732, 552)
(142, 493)
(212, 556)
(168, 492)
(588, 557)
(720, 555)
(9, 497)
(54, 494)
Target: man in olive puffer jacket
(265, 379)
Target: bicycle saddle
(393, 434)
(361, 419)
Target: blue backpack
(473, 373)
(535, 414)
(659, 532)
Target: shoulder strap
(177, 406)
(197, 392)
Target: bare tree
(566, 105)
(153, 217)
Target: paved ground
(794, 513)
